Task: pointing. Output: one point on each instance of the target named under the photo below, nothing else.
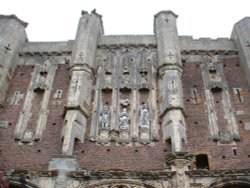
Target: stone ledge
(218, 173)
(116, 174)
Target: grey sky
(56, 20)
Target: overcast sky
(56, 20)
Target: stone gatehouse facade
(124, 111)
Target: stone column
(12, 37)
(241, 36)
(170, 83)
(81, 71)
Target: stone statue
(143, 78)
(125, 102)
(126, 80)
(124, 119)
(104, 118)
(27, 137)
(144, 117)
(46, 66)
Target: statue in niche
(124, 120)
(27, 137)
(104, 117)
(46, 66)
(107, 66)
(143, 78)
(125, 102)
(144, 117)
(40, 82)
(125, 66)
(125, 80)
(211, 63)
(225, 137)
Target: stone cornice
(24, 24)
(55, 53)
(219, 173)
(210, 52)
(116, 174)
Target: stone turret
(241, 35)
(170, 83)
(12, 37)
(81, 72)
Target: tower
(12, 37)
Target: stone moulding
(211, 52)
(219, 173)
(149, 175)
(115, 46)
(54, 53)
(30, 173)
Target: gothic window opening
(58, 94)
(194, 96)
(238, 94)
(16, 98)
(202, 161)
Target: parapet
(188, 44)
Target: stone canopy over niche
(125, 108)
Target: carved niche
(124, 80)
(214, 76)
(41, 81)
(144, 118)
(104, 124)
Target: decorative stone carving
(40, 82)
(126, 80)
(124, 120)
(144, 117)
(125, 71)
(225, 137)
(214, 81)
(27, 137)
(125, 102)
(215, 86)
(105, 118)
(144, 124)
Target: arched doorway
(231, 183)
(119, 184)
(21, 184)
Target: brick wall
(199, 138)
(152, 157)
(35, 156)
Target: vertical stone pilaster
(179, 162)
(12, 37)
(170, 83)
(215, 85)
(134, 126)
(82, 72)
(41, 81)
